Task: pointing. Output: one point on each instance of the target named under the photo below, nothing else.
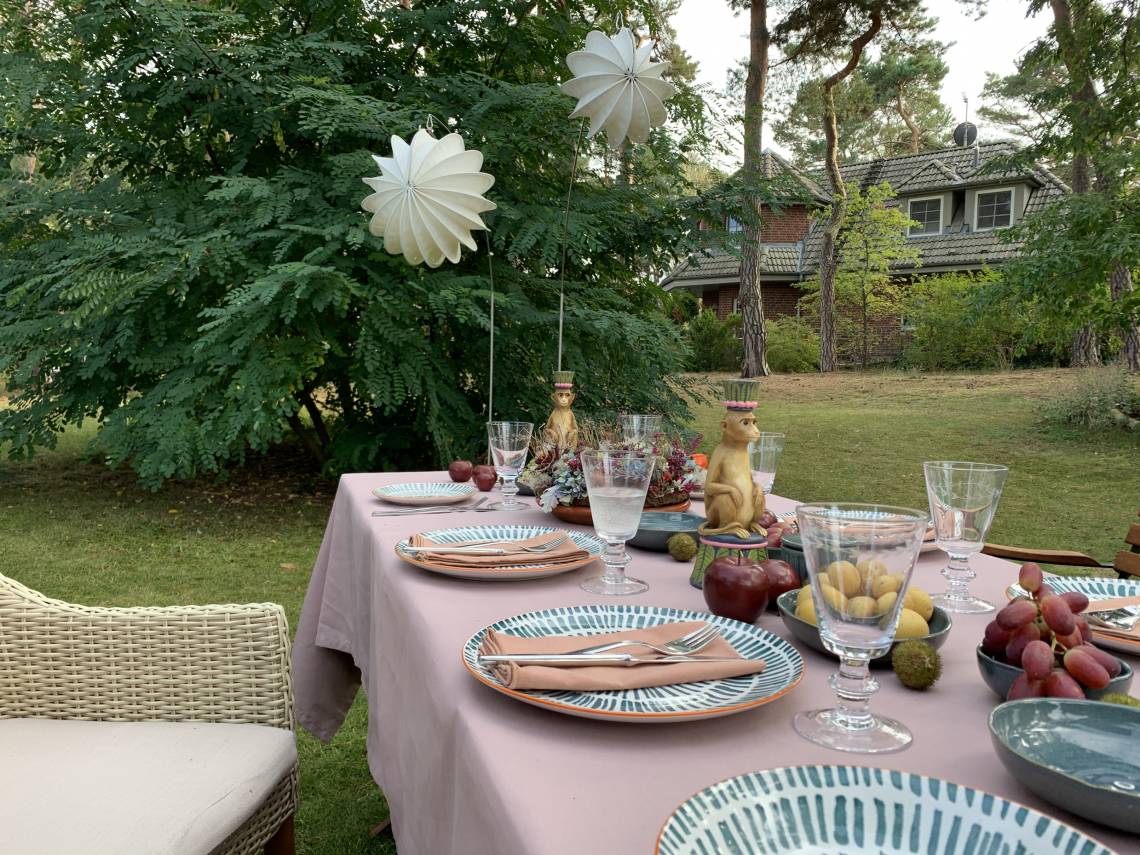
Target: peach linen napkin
(1115, 603)
(606, 677)
(565, 553)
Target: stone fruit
(774, 538)
(833, 598)
(803, 595)
(485, 478)
(886, 602)
(844, 577)
(460, 470)
(862, 607)
(919, 601)
(806, 611)
(869, 568)
(736, 589)
(917, 664)
(782, 577)
(911, 625)
(681, 547)
(767, 519)
(885, 584)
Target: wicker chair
(226, 664)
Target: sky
(717, 39)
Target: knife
(578, 660)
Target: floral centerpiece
(555, 474)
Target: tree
(188, 264)
(872, 240)
(820, 29)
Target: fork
(431, 509)
(687, 644)
(489, 548)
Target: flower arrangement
(555, 475)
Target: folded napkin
(604, 677)
(1115, 603)
(565, 553)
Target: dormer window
(993, 209)
(734, 225)
(927, 216)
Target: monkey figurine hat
(733, 503)
(561, 429)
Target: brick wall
(779, 299)
(788, 226)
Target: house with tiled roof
(958, 199)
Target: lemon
(806, 611)
(844, 577)
(869, 568)
(885, 584)
(803, 594)
(886, 602)
(919, 601)
(911, 625)
(862, 607)
(834, 598)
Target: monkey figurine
(733, 503)
(561, 429)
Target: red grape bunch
(1046, 636)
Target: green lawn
(75, 530)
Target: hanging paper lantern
(617, 87)
(428, 198)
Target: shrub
(715, 344)
(793, 346)
(1097, 399)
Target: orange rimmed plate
(656, 704)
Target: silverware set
(488, 547)
(682, 649)
(436, 509)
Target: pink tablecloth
(467, 770)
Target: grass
(75, 530)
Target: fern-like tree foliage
(183, 257)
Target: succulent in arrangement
(1046, 636)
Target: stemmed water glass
(847, 546)
(763, 455)
(616, 484)
(509, 442)
(639, 428)
(963, 500)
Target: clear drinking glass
(963, 500)
(616, 483)
(509, 442)
(763, 455)
(640, 428)
(847, 548)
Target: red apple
(485, 478)
(767, 519)
(736, 589)
(775, 538)
(460, 470)
(782, 577)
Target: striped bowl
(851, 809)
(424, 493)
(677, 702)
(1094, 589)
(525, 567)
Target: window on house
(735, 305)
(927, 213)
(734, 225)
(994, 209)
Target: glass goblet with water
(639, 429)
(963, 500)
(847, 548)
(763, 455)
(616, 483)
(509, 442)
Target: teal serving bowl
(939, 623)
(999, 676)
(1079, 755)
(656, 527)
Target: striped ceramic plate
(424, 493)
(1094, 589)
(678, 702)
(521, 569)
(817, 809)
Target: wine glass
(616, 483)
(763, 455)
(639, 428)
(963, 500)
(847, 547)
(509, 442)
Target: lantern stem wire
(491, 367)
(566, 241)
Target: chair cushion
(109, 788)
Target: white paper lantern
(428, 198)
(617, 86)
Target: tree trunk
(1084, 350)
(908, 120)
(1121, 285)
(751, 297)
(828, 260)
(866, 331)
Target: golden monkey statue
(561, 430)
(733, 503)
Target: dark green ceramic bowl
(999, 676)
(940, 625)
(1080, 755)
(656, 527)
